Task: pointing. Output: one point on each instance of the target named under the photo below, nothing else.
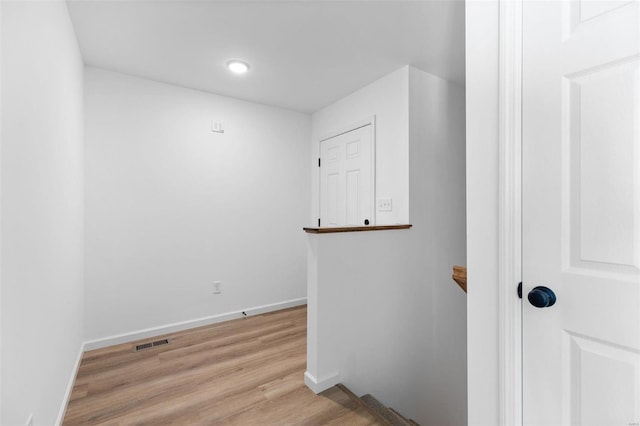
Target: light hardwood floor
(243, 372)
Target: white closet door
(581, 213)
(346, 179)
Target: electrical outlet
(385, 204)
(29, 421)
(217, 287)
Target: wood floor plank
(242, 372)
(171, 382)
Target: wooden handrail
(460, 276)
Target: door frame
(369, 121)
(510, 213)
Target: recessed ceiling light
(238, 67)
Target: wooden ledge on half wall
(460, 276)
(331, 230)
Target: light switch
(217, 126)
(385, 205)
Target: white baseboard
(185, 325)
(318, 386)
(67, 394)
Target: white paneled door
(581, 213)
(346, 179)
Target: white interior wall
(1, 212)
(437, 197)
(171, 206)
(387, 99)
(384, 313)
(42, 209)
(482, 71)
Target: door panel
(600, 111)
(581, 212)
(597, 372)
(353, 197)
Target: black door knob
(542, 297)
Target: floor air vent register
(150, 345)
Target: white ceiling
(304, 55)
